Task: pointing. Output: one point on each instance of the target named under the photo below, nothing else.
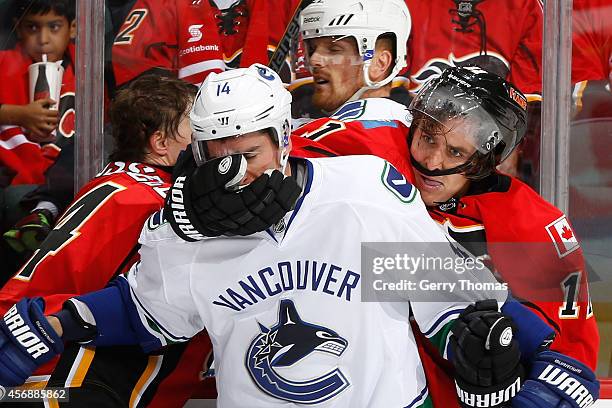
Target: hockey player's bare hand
(39, 120)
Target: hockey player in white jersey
(354, 49)
(284, 307)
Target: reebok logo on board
(562, 236)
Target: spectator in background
(57, 192)
(97, 239)
(592, 58)
(502, 37)
(31, 134)
(44, 27)
(192, 39)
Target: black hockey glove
(488, 372)
(206, 201)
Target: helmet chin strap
(451, 204)
(284, 159)
(437, 172)
(368, 83)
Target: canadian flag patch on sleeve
(562, 236)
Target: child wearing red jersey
(28, 143)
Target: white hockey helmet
(364, 20)
(240, 101)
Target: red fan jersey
(504, 37)
(29, 160)
(530, 242)
(592, 40)
(592, 58)
(193, 38)
(94, 240)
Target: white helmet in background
(365, 21)
(240, 101)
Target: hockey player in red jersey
(193, 38)
(96, 239)
(530, 243)
(467, 197)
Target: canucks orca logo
(284, 345)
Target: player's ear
(158, 143)
(73, 29)
(381, 64)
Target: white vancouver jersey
(283, 307)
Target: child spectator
(28, 145)
(31, 134)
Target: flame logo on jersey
(490, 62)
(285, 345)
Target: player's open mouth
(430, 183)
(320, 81)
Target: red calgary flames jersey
(530, 242)
(193, 38)
(29, 160)
(504, 37)
(592, 40)
(351, 138)
(532, 246)
(96, 239)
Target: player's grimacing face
(440, 152)
(47, 34)
(336, 69)
(260, 151)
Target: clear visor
(206, 150)
(458, 114)
(440, 147)
(323, 51)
